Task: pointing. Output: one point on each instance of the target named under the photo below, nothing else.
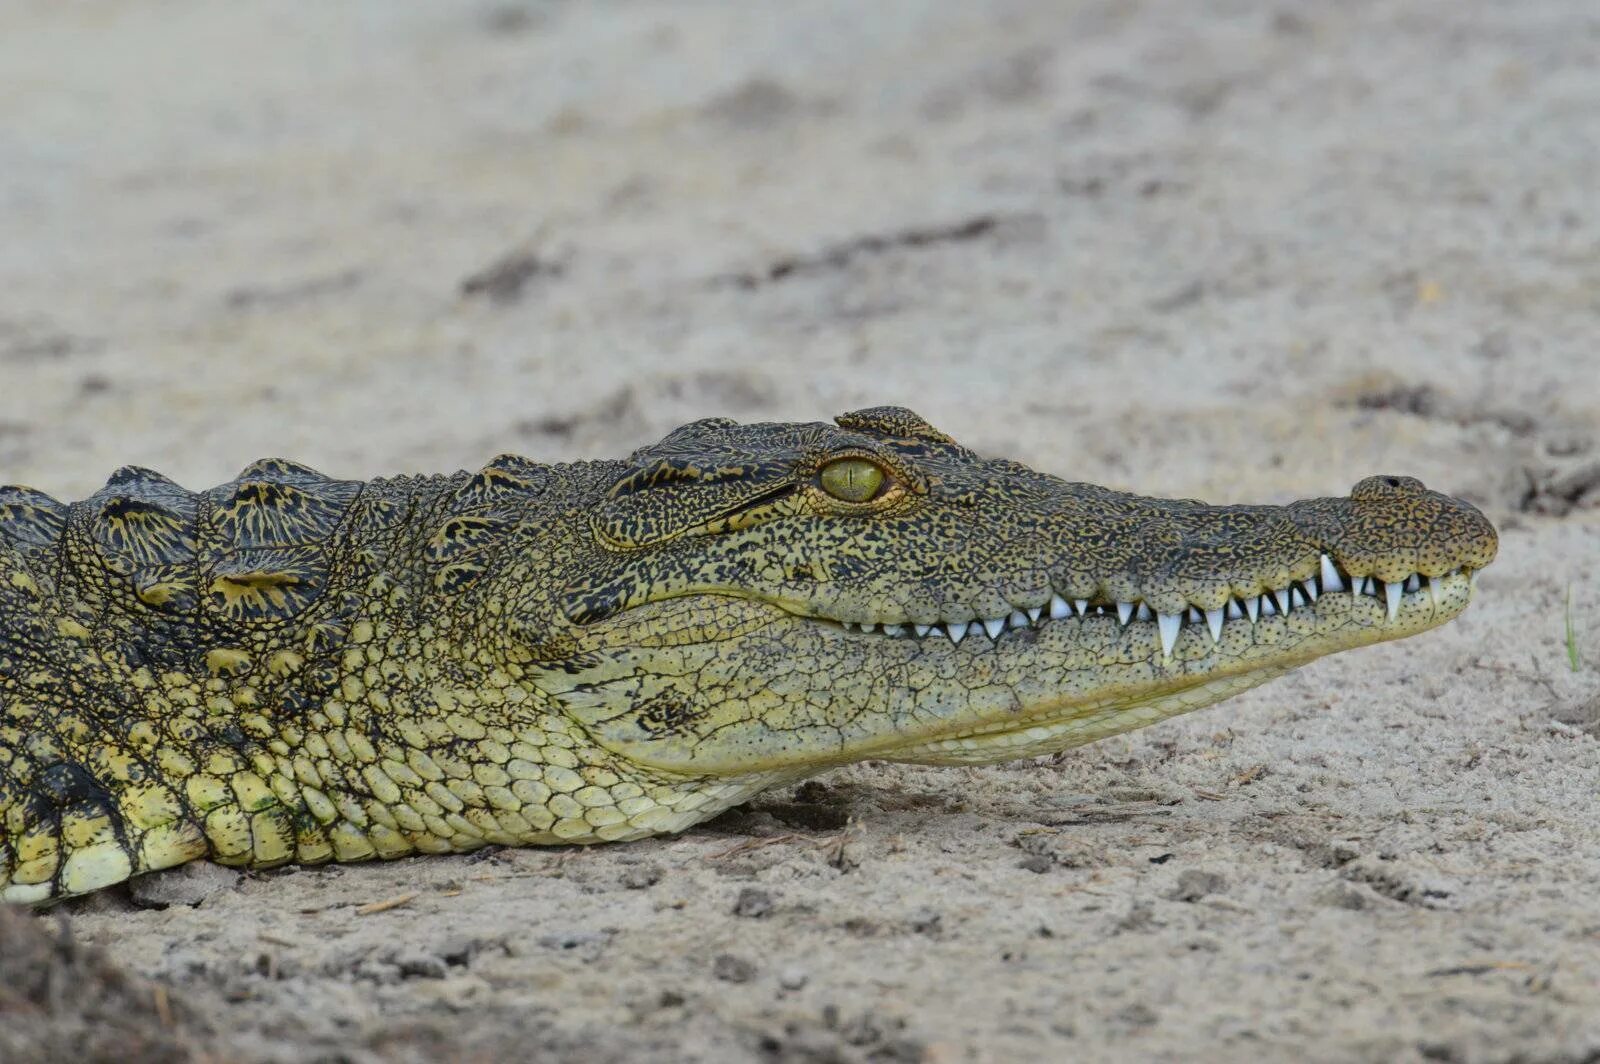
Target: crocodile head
(779, 597)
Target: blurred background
(1131, 240)
(1247, 250)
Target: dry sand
(1236, 250)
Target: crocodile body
(292, 668)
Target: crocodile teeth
(1331, 580)
(1297, 595)
(1168, 624)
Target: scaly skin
(293, 668)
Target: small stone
(461, 993)
(1037, 862)
(1137, 1014)
(570, 939)
(376, 971)
(639, 877)
(793, 978)
(1140, 917)
(588, 945)
(1196, 884)
(731, 969)
(753, 902)
(1344, 896)
(458, 952)
(415, 964)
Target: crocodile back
(169, 660)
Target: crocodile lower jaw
(1075, 725)
(1204, 673)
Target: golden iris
(852, 479)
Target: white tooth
(1234, 612)
(922, 629)
(1083, 606)
(1367, 586)
(1413, 582)
(1433, 595)
(1214, 622)
(994, 627)
(894, 629)
(1059, 608)
(1168, 624)
(1280, 598)
(1193, 614)
(956, 630)
(1018, 619)
(1311, 591)
(1331, 580)
(1267, 606)
(1252, 606)
(1142, 613)
(1297, 599)
(1392, 593)
(1034, 613)
(1124, 611)
(1472, 579)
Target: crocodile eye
(852, 479)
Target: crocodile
(296, 668)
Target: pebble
(753, 902)
(731, 969)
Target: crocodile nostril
(1385, 485)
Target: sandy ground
(1244, 251)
